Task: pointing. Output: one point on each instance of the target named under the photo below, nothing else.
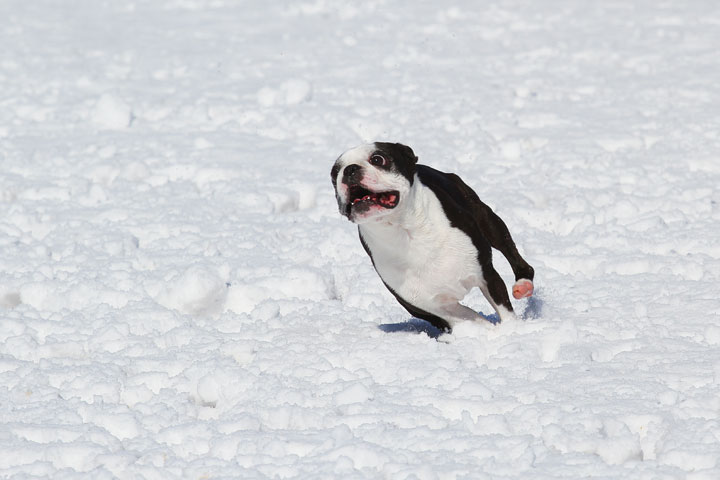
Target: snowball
(267, 96)
(510, 150)
(296, 91)
(196, 291)
(290, 92)
(209, 390)
(112, 113)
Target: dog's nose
(351, 173)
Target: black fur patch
(402, 157)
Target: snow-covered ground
(179, 297)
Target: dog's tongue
(387, 199)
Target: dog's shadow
(417, 325)
(414, 325)
(533, 310)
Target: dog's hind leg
(455, 313)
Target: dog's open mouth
(359, 196)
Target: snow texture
(179, 297)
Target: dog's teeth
(366, 197)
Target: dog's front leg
(499, 237)
(495, 292)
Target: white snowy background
(179, 297)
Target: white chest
(423, 258)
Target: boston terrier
(427, 233)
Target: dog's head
(372, 180)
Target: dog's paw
(523, 288)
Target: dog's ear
(334, 172)
(406, 152)
(399, 151)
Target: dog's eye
(378, 160)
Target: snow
(179, 297)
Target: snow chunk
(620, 445)
(356, 393)
(615, 451)
(209, 390)
(267, 96)
(551, 343)
(120, 425)
(300, 283)
(689, 459)
(470, 330)
(290, 92)
(296, 91)
(112, 113)
(196, 291)
(617, 143)
(363, 456)
(712, 334)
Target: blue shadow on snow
(533, 310)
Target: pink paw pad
(522, 288)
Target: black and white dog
(428, 234)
